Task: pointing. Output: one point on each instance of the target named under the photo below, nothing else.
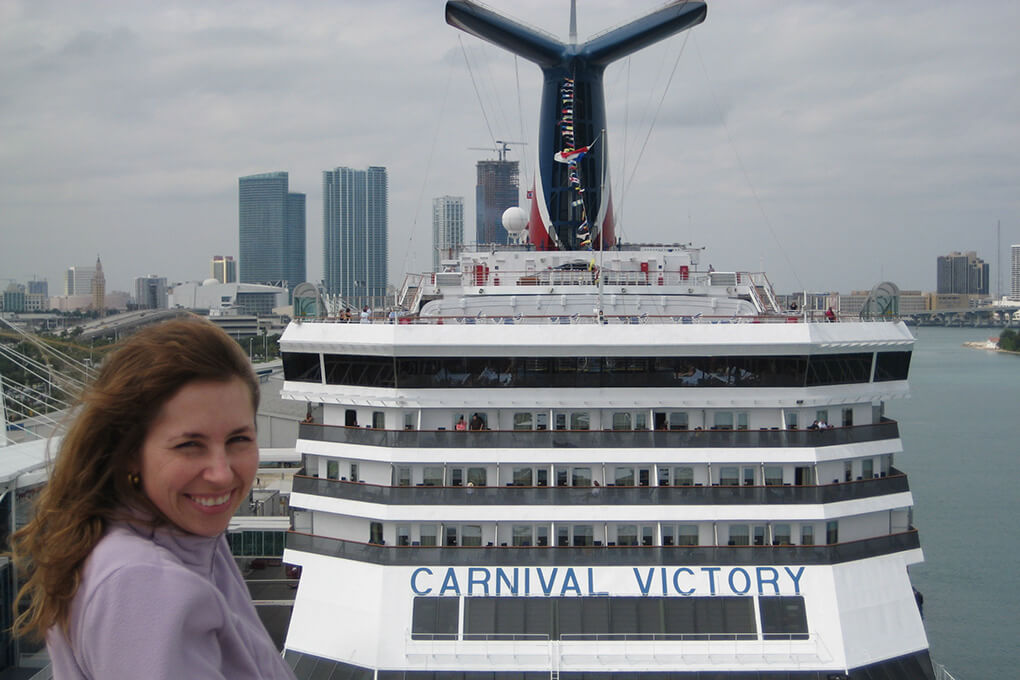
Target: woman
(129, 572)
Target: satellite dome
(210, 282)
(514, 220)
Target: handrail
(607, 495)
(811, 316)
(835, 553)
(593, 439)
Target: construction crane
(502, 149)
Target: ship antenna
(573, 22)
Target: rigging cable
(478, 95)
(747, 176)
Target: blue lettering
(478, 576)
(502, 578)
(676, 581)
(591, 581)
(795, 578)
(450, 582)
(644, 586)
(664, 589)
(711, 578)
(527, 582)
(774, 580)
(547, 587)
(414, 581)
(568, 580)
(747, 581)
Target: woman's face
(200, 455)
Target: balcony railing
(598, 439)
(604, 555)
(602, 495)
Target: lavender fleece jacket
(159, 604)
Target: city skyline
(838, 145)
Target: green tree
(1008, 340)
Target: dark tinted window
(783, 618)
(302, 367)
(435, 618)
(892, 366)
(837, 369)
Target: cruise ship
(580, 459)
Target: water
(960, 440)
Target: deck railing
(603, 495)
(595, 439)
(604, 555)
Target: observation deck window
(723, 420)
(476, 476)
(428, 535)
(522, 421)
(678, 420)
(781, 534)
(432, 475)
(584, 535)
(807, 534)
(773, 475)
(522, 476)
(580, 476)
(621, 421)
(522, 535)
(627, 534)
(683, 476)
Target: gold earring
(134, 479)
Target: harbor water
(961, 440)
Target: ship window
(848, 471)
(563, 537)
(781, 534)
(687, 534)
(403, 475)
(408, 421)
(560, 421)
(580, 420)
(624, 476)
(832, 532)
(783, 618)
(838, 369)
(678, 420)
(822, 416)
(742, 420)
(791, 421)
(375, 534)
(647, 536)
(749, 476)
(522, 421)
(403, 535)
(354, 472)
(641, 420)
(621, 421)
(717, 618)
(332, 469)
(435, 618)
(580, 476)
(888, 366)
(471, 535)
(759, 535)
(541, 421)
(522, 476)
(561, 476)
(867, 468)
(662, 475)
(683, 476)
(723, 420)
(378, 420)
(302, 367)
(584, 535)
(476, 476)
(432, 475)
(773, 475)
(457, 477)
(522, 535)
(626, 534)
(542, 535)
(428, 534)
(667, 534)
(739, 535)
(451, 537)
(807, 534)
(728, 476)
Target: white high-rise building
(78, 280)
(1014, 289)
(447, 228)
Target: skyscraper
(354, 239)
(78, 280)
(447, 228)
(1014, 289)
(224, 269)
(150, 292)
(271, 230)
(498, 188)
(962, 273)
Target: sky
(833, 145)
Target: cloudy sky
(834, 144)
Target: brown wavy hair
(89, 482)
